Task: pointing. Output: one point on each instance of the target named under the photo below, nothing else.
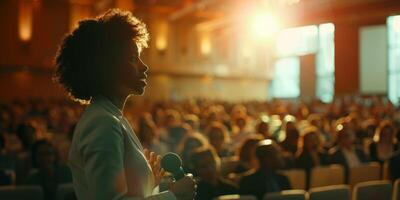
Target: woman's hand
(154, 161)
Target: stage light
(264, 25)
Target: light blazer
(106, 157)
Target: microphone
(172, 163)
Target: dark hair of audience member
(44, 154)
(27, 135)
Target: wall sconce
(25, 20)
(162, 37)
(205, 44)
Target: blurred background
(231, 50)
(319, 80)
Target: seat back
(286, 195)
(396, 190)
(333, 192)
(65, 192)
(21, 193)
(327, 175)
(381, 190)
(297, 178)
(236, 197)
(363, 173)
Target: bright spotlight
(264, 25)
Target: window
(294, 42)
(286, 83)
(393, 24)
(325, 69)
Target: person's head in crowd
(247, 152)
(241, 122)
(269, 155)
(172, 118)
(217, 135)
(385, 133)
(315, 120)
(238, 110)
(27, 135)
(44, 155)
(311, 139)
(206, 164)
(353, 121)
(262, 128)
(102, 57)
(193, 121)
(369, 126)
(188, 144)
(345, 136)
(291, 142)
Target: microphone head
(171, 162)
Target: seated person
(47, 173)
(247, 156)
(384, 144)
(218, 136)
(312, 153)
(206, 166)
(266, 178)
(345, 152)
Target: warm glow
(264, 25)
(162, 36)
(205, 44)
(78, 13)
(25, 17)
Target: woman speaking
(99, 64)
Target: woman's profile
(99, 64)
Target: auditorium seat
(396, 190)
(333, 192)
(327, 175)
(65, 192)
(297, 178)
(379, 190)
(367, 172)
(21, 193)
(228, 165)
(286, 195)
(385, 171)
(236, 197)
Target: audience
(312, 154)
(385, 143)
(345, 152)
(46, 171)
(218, 137)
(203, 132)
(265, 179)
(206, 166)
(247, 156)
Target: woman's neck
(117, 99)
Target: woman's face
(133, 72)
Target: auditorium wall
(24, 84)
